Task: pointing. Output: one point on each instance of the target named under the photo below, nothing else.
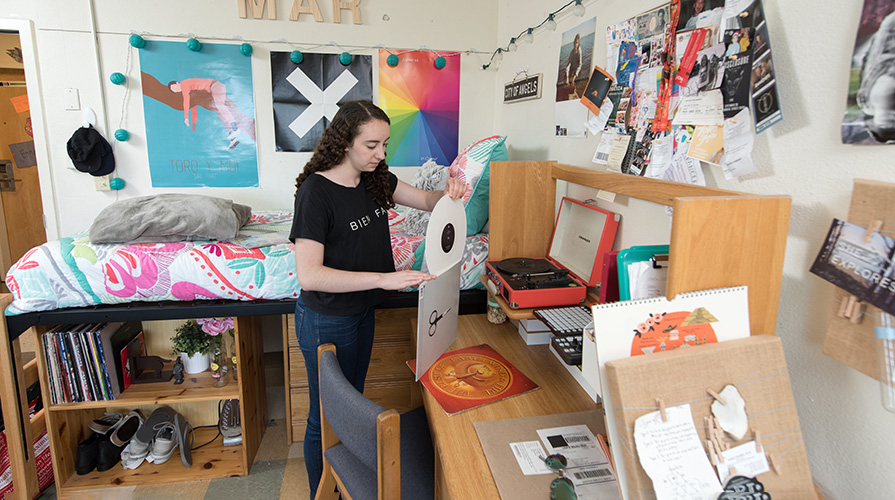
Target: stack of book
(89, 362)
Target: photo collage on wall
(694, 82)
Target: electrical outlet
(102, 183)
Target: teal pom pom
(136, 41)
(246, 49)
(440, 62)
(345, 58)
(116, 184)
(297, 57)
(117, 78)
(194, 45)
(122, 135)
(392, 60)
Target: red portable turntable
(581, 237)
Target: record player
(581, 237)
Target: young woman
(343, 252)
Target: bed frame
(16, 376)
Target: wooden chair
(369, 452)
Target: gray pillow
(169, 217)
(429, 177)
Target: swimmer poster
(859, 265)
(200, 115)
(870, 109)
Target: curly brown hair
(338, 137)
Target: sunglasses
(561, 488)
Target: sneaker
(232, 135)
(233, 143)
(164, 444)
(138, 447)
(125, 428)
(105, 423)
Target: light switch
(71, 100)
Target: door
(19, 185)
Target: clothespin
(661, 405)
(733, 471)
(718, 447)
(708, 427)
(774, 464)
(873, 227)
(857, 312)
(716, 396)
(757, 435)
(843, 308)
(711, 447)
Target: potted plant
(193, 344)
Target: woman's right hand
(403, 279)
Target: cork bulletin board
(848, 342)
(755, 365)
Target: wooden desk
(462, 471)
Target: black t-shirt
(355, 237)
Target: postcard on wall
(860, 267)
(707, 144)
(597, 88)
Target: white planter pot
(194, 364)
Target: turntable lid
(582, 236)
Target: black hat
(90, 152)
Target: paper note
(646, 280)
(529, 457)
(738, 142)
(704, 108)
(601, 155)
(24, 154)
(673, 457)
(20, 103)
(598, 122)
(707, 144)
(587, 466)
(745, 458)
(618, 152)
(660, 157)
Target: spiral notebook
(641, 327)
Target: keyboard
(564, 321)
(567, 325)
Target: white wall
(846, 431)
(67, 59)
(848, 435)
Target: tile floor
(278, 470)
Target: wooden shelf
(211, 461)
(196, 387)
(68, 423)
(718, 238)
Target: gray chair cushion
(359, 479)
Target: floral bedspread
(258, 264)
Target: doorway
(22, 219)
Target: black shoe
(88, 451)
(108, 455)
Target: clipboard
(628, 256)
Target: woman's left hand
(455, 188)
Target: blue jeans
(353, 338)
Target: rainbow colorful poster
(423, 103)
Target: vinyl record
(446, 235)
(523, 266)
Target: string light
(527, 35)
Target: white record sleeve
(445, 235)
